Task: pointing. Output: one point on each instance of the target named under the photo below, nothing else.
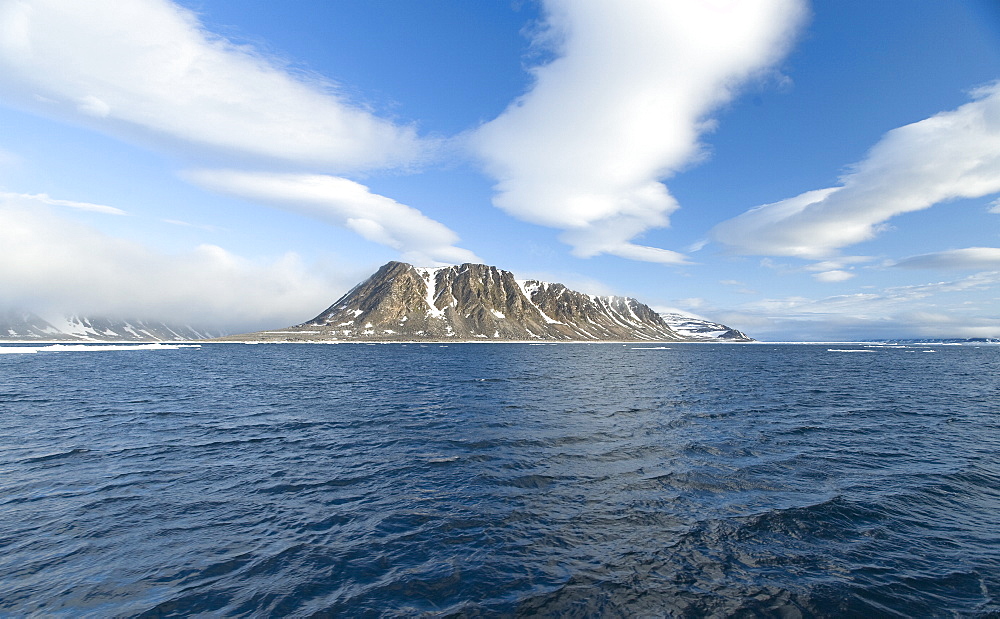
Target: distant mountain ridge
(27, 326)
(473, 302)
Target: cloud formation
(622, 106)
(893, 312)
(970, 258)
(347, 204)
(43, 198)
(951, 155)
(51, 263)
(836, 275)
(148, 69)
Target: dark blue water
(472, 480)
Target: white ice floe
(90, 348)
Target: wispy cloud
(347, 204)
(954, 154)
(51, 262)
(837, 269)
(42, 198)
(148, 69)
(621, 107)
(969, 258)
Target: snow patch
(529, 287)
(429, 276)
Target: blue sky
(801, 171)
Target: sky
(801, 171)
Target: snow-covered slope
(703, 330)
(26, 326)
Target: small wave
(442, 459)
(55, 456)
(537, 482)
(847, 350)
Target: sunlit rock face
(472, 302)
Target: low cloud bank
(54, 264)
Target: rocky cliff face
(474, 302)
(27, 326)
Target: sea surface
(572, 480)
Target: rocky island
(476, 302)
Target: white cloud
(836, 275)
(954, 154)
(43, 198)
(994, 207)
(837, 263)
(836, 270)
(148, 69)
(621, 107)
(51, 263)
(972, 258)
(347, 204)
(692, 303)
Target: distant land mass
(476, 302)
(30, 327)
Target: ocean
(466, 480)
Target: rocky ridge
(473, 302)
